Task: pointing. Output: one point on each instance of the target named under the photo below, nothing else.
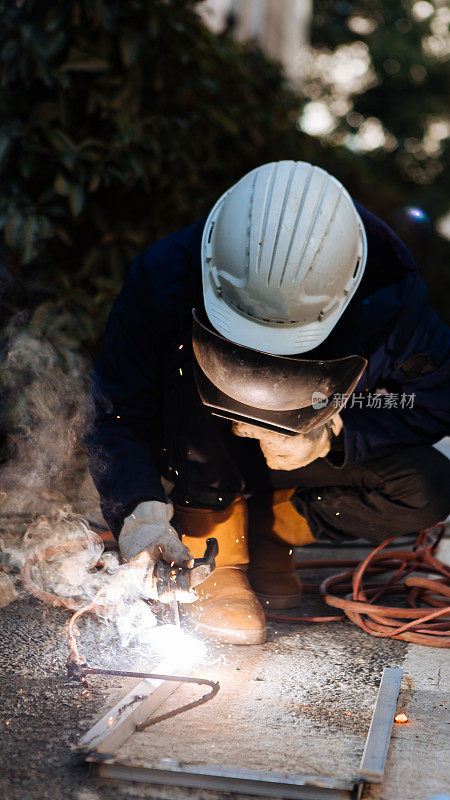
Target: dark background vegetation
(124, 120)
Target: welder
(279, 366)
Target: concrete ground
(301, 702)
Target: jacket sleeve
(419, 387)
(126, 398)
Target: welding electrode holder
(170, 579)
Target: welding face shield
(285, 394)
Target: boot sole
(231, 636)
(279, 601)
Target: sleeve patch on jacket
(417, 365)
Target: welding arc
(75, 664)
(411, 624)
(141, 726)
(78, 669)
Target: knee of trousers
(429, 499)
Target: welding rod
(175, 609)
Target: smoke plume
(45, 484)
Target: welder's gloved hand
(291, 452)
(147, 537)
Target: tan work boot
(227, 610)
(275, 528)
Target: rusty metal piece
(80, 672)
(109, 733)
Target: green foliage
(122, 121)
(408, 93)
(411, 82)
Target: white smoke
(44, 534)
(45, 415)
(43, 412)
(65, 560)
(64, 554)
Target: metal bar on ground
(113, 730)
(103, 740)
(373, 760)
(229, 779)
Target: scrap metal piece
(375, 752)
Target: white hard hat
(283, 252)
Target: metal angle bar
(373, 760)
(228, 779)
(118, 724)
(102, 741)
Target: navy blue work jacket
(389, 321)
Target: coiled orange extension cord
(352, 592)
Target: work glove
(291, 452)
(147, 537)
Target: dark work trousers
(400, 493)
